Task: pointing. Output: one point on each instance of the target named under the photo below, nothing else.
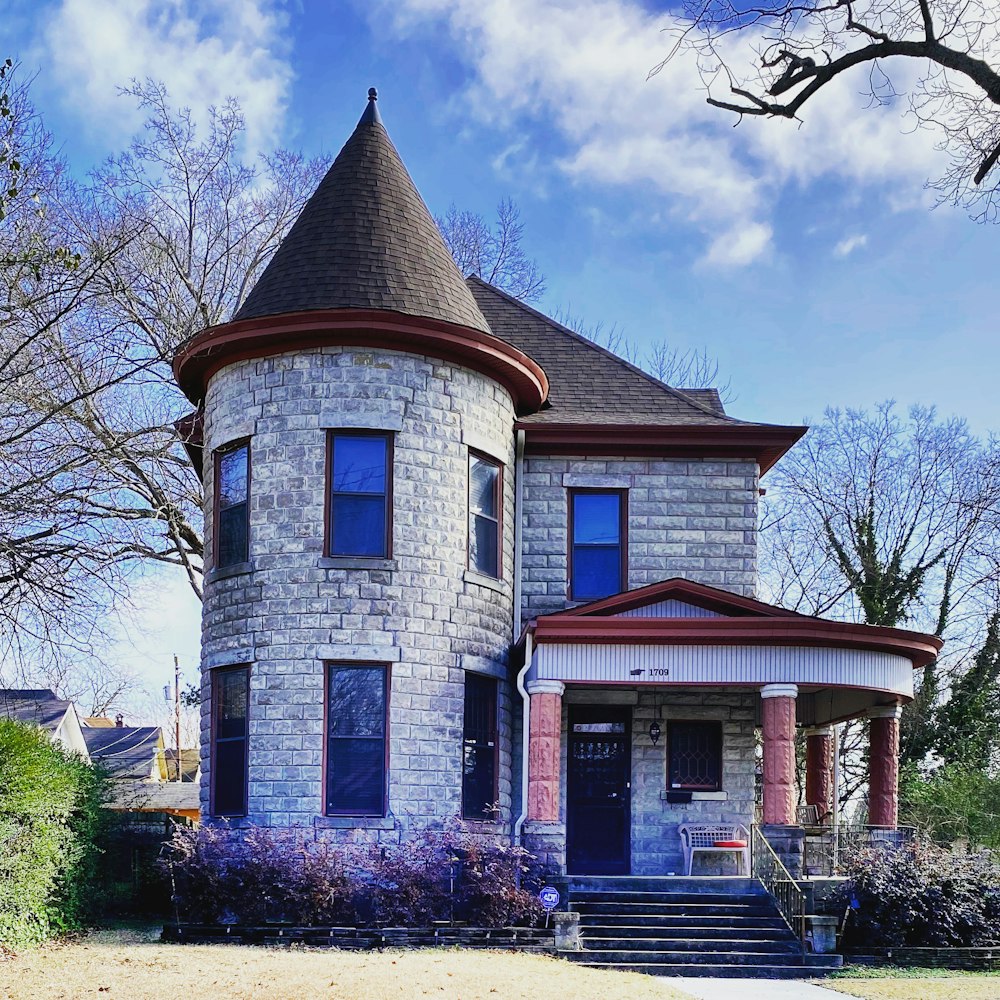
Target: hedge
(51, 823)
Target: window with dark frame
(360, 482)
(479, 748)
(230, 714)
(484, 515)
(597, 543)
(232, 507)
(356, 728)
(694, 756)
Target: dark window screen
(479, 748)
(356, 731)
(232, 489)
(230, 704)
(359, 495)
(484, 516)
(597, 545)
(695, 756)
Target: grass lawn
(132, 965)
(915, 984)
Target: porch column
(544, 737)
(883, 774)
(778, 713)
(819, 771)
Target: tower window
(360, 478)
(232, 507)
(230, 713)
(479, 747)
(485, 480)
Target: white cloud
(204, 50)
(578, 69)
(849, 244)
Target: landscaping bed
(973, 959)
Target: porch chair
(727, 838)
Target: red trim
(765, 443)
(200, 357)
(698, 594)
(920, 648)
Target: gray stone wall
(695, 519)
(290, 609)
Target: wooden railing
(766, 866)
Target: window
(479, 748)
(484, 515)
(357, 699)
(232, 509)
(694, 756)
(360, 493)
(597, 543)
(230, 704)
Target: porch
(644, 713)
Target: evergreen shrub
(253, 876)
(51, 824)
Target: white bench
(703, 837)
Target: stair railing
(766, 867)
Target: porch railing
(827, 846)
(766, 866)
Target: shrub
(255, 875)
(921, 896)
(51, 823)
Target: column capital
(545, 687)
(819, 730)
(885, 712)
(779, 691)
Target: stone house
(466, 567)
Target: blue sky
(805, 258)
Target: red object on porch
(778, 711)
(544, 736)
(819, 772)
(883, 786)
(729, 843)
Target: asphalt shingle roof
(35, 706)
(126, 751)
(365, 240)
(587, 382)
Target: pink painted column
(778, 712)
(883, 764)
(544, 737)
(819, 771)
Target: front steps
(719, 927)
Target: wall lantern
(654, 732)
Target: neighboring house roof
(41, 707)
(365, 240)
(190, 764)
(98, 722)
(128, 752)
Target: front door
(598, 815)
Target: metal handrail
(766, 867)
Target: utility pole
(177, 713)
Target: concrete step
(720, 971)
(639, 883)
(687, 931)
(679, 920)
(704, 898)
(676, 944)
(761, 908)
(674, 956)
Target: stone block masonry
(694, 518)
(290, 609)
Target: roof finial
(371, 115)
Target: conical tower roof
(365, 240)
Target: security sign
(549, 897)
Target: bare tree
(889, 521)
(798, 48)
(495, 252)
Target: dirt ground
(133, 966)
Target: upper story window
(694, 756)
(360, 493)
(357, 703)
(230, 713)
(485, 479)
(597, 556)
(479, 748)
(232, 507)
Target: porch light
(654, 732)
